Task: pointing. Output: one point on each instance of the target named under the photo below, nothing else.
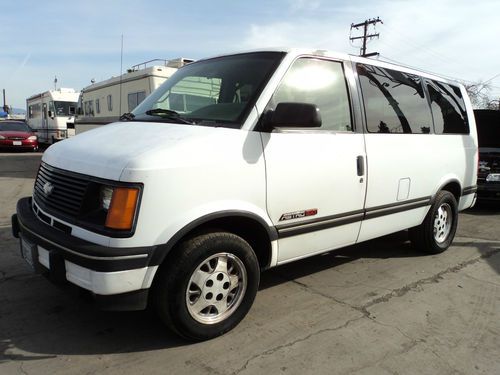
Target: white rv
(52, 114)
(104, 102)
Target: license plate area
(17, 143)
(29, 252)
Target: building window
(88, 108)
(134, 98)
(110, 103)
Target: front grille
(59, 192)
(16, 138)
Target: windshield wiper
(127, 116)
(168, 114)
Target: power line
(365, 36)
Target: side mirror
(294, 115)
(51, 115)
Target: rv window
(448, 108)
(394, 101)
(318, 82)
(97, 106)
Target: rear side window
(448, 108)
(318, 82)
(394, 101)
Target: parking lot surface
(375, 308)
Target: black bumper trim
(83, 253)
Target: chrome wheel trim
(443, 221)
(216, 288)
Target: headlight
(105, 196)
(493, 177)
(2, 137)
(32, 138)
(120, 204)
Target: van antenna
(121, 70)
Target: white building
(104, 102)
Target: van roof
(342, 56)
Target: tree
(478, 93)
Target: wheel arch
(249, 226)
(453, 186)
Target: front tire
(208, 286)
(437, 231)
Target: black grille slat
(68, 191)
(61, 199)
(62, 179)
(62, 192)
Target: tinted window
(394, 101)
(488, 127)
(448, 108)
(321, 83)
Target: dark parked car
(488, 176)
(17, 135)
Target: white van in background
(51, 114)
(244, 162)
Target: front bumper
(104, 271)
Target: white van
(244, 162)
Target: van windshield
(65, 108)
(214, 92)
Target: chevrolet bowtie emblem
(48, 188)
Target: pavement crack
(361, 309)
(429, 280)
(21, 367)
(294, 342)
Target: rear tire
(437, 231)
(208, 286)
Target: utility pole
(5, 106)
(366, 36)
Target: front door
(315, 177)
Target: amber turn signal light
(122, 208)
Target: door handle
(360, 163)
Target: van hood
(107, 151)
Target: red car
(17, 135)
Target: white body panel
(325, 180)
(225, 173)
(45, 120)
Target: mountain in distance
(18, 111)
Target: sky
(80, 41)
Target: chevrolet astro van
(244, 162)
